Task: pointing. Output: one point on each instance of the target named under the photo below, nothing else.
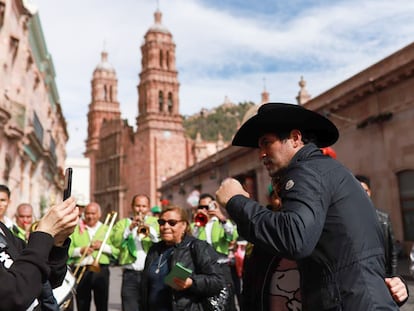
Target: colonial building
(374, 111)
(125, 162)
(32, 127)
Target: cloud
(224, 48)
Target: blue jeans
(131, 290)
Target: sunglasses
(171, 222)
(203, 207)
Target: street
(116, 280)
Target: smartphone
(68, 183)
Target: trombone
(94, 267)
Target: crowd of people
(317, 244)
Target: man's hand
(228, 189)
(397, 289)
(216, 211)
(60, 220)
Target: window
(168, 60)
(29, 63)
(53, 148)
(38, 128)
(170, 103)
(2, 12)
(13, 47)
(406, 188)
(161, 101)
(161, 59)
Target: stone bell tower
(104, 106)
(161, 146)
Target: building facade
(33, 130)
(373, 111)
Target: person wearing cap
(327, 223)
(155, 211)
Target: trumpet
(200, 219)
(143, 229)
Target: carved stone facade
(124, 162)
(374, 111)
(33, 130)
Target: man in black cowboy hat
(327, 223)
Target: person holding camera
(25, 267)
(211, 224)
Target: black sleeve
(57, 263)
(393, 250)
(22, 278)
(208, 278)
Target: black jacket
(391, 260)
(329, 226)
(207, 275)
(32, 265)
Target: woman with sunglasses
(178, 246)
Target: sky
(224, 48)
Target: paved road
(116, 279)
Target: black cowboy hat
(281, 117)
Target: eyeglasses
(202, 207)
(171, 222)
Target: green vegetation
(224, 120)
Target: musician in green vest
(87, 244)
(134, 236)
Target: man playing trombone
(134, 236)
(91, 252)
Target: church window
(105, 93)
(14, 47)
(161, 59)
(2, 11)
(29, 63)
(168, 60)
(110, 93)
(170, 103)
(406, 189)
(161, 101)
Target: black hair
(5, 189)
(364, 179)
(205, 195)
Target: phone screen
(68, 183)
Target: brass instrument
(110, 217)
(95, 265)
(143, 229)
(33, 227)
(200, 219)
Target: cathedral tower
(161, 146)
(104, 106)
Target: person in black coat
(327, 223)
(178, 245)
(24, 268)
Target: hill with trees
(223, 119)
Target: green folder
(178, 271)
